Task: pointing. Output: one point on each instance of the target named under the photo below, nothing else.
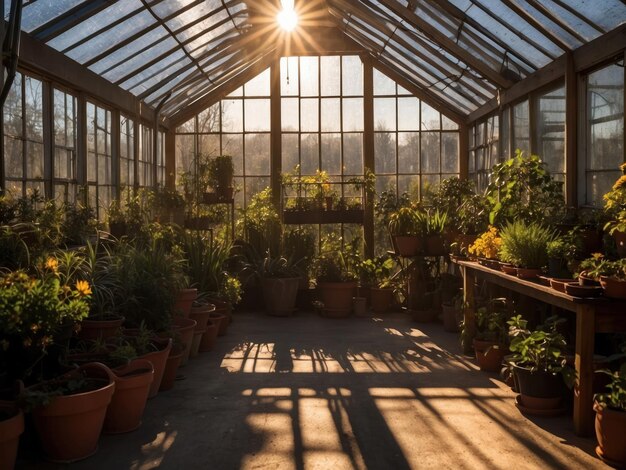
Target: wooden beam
(219, 92)
(276, 163)
(319, 41)
(42, 59)
(170, 159)
(542, 77)
(549, 13)
(448, 44)
(600, 49)
(423, 95)
(571, 133)
(463, 151)
(368, 153)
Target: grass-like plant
(525, 244)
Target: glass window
(99, 157)
(605, 131)
(64, 107)
(521, 127)
(550, 125)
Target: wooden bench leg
(583, 395)
(469, 306)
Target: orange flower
(52, 264)
(83, 287)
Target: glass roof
(459, 51)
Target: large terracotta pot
(489, 355)
(10, 430)
(158, 359)
(92, 329)
(408, 245)
(132, 385)
(337, 298)
(171, 368)
(209, 338)
(70, 425)
(225, 309)
(219, 319)
(185, 328)
(201, 314)
(183, 302)
(280, 295)
(610, 431)
(614, 288)
(381, 299)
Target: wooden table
(593, 315)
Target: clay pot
(223, 308)
(508, 269)
(528, 273)
(185, 328)
(217, 318)
(614, 288)
(158, 359)
(381, 299)
(183, 302)
(539, 384)
(92, 329)
(408, 245)
(132, 385)
(171, 368)
(10, 430)
(610, 431)
(201, 314)
(337, 298)
(489, 355)
(209, 338)
(280, 295)
(70, 425)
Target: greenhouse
(300, 234)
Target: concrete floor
(308, 392)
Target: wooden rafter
(550, 14)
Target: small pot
(559, 284)
(185, 328)
(171, 368)
(489, 355)
(132, 385)
(209, 338)
(184, 300)
(576, 290)
(508, 269)
(614, 288)
(528, 273)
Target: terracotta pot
(209, 338)
(185, 328)
(538, 383)
(10, 431)
(614, 288)
(225, 309)
(218, 319)
(508, 269)
(280, 295)
(381, 299)
(171, 368)
(620, 243)
(183, 302)
(451, 318)
(540, 404)
(585, 280)
(158, 359)
(528, 273)
(132, 385)
(91, 329)
(70, 425)
(489, 355)
(434, 246)
(408, 245)
(610, 431)
(200, 313)
(337, 298)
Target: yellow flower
(597, 256)
(52, 264)
(83, 287)
(620, 183)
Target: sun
(287, 18)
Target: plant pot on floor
(132, 385)
(209, 338)
(94, 328)
(381, 299)
(218, 319)
(183, 302)
(280, 295)
(70, 425)
(610, 431)
(337, 298)
(171, 367)
(540, 392)
(200, 313)
(223, 308)
(11, 427)
(185, 328)
(489, 355)
(158, 359)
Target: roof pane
(41, 12)
(95, 23)
(605, 13)
(111, 37)
(143, 80)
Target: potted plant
(538, 365)
(221, 171)
(435, 226)
(615, 209)
(561, 251)
(376, 275)
(336, 283)
(610, 408)
(168, 205)
(487, 247)
(69, 411)
(406, 229)
(610, 274)
(490, 342)
(280, 279)
(525, 246)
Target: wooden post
(469, 308)
(463, 151)
(571, 136)
(276, 158)
(170, 159)
(583, 396)
(368, 153)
